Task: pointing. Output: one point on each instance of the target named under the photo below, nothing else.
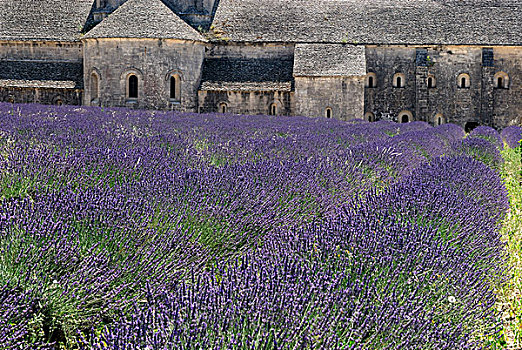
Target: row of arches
(407, 117)
(273, 109)
(500, 80)
(132, 86)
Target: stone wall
(507, 103)
(385, 101)
(247, 102)
(152, 61)
(41, 95)
(41, 50)
(481, 102)
(343, 95)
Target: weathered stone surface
(153, 61)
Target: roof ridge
(144, 19)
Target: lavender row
(136, 229)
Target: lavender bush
(128, 229)
(512, 136)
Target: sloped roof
(247, 74)
(54, 20)
(329, 60)
(144, 19)
(467, 22)
(41, 74)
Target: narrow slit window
(370, 82)
(95, 90)
(223, 108)
(328, 113)
(133, 86)
(273, 109)
(175, 88)
(431, 83)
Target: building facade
(439, 61)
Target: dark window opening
(133, 86)
(463, 82)
(399, 82)
(173, 88)
(328, 113)
(370, 82)
(430, 83)
(500, 83)
(273, 109)
(470, 126)
(405, 118)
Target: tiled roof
(144, 19)
(53, 20)
(59, 75)
(247, 74)
(329, 60)
(467, 22)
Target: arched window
(328, 113)
(431, 82)
(399, 80)
(95, 87)
(463, 81)
(405, 117)
(175, 88)
(223, 107)
(439, 119)
(369, 116)
(371, 80)
(10, 99)
(58, 102)
(501, 80)
(132, 86)
(273, 109)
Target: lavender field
(152, 230)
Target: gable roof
(52, 20)
(417, 22)
(58, 75)
(320, 60)
(247, 74)
(144, 19)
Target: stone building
(439, 61)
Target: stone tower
(197, 13)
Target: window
(399, 80)
(132, 86)
(371, 80)
(273, 109)
(405, 117)
(175, 88)
(10, 99)
(501, 80)
(328, 113)
(95, 87)
(58, 102)
(369, 116)
(431, 82)
(463, 81)
(223, 107)
(439, 119)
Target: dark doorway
(470, 126)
